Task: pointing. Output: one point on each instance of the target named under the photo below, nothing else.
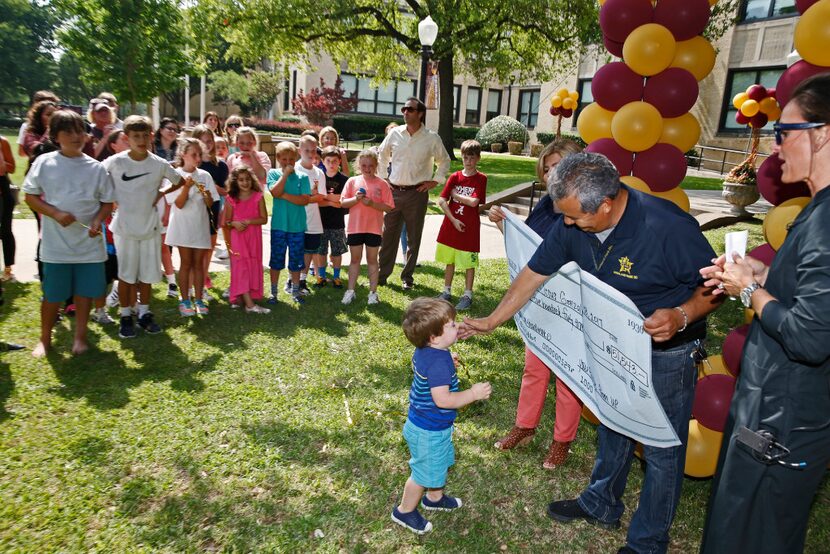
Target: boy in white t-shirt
(74, 195)
(137, 175)
(314, 223)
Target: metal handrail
(697, 160)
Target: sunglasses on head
(407, 109)
(781, 129)
(234, 125)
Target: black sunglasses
(234, 125)
(781, 129)
(406, 109)
(171, 129)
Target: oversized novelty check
(592, 337)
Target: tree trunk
(446, 104)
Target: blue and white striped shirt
(431, 368)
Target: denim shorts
(431, 454)
(60, 281)
(294, 243)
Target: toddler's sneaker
(464, 303)
(201, 309)
(446, 504)
(127, 329)
(186, 308)
(373, 298)
(445, 296)
(337, 283)
(146, 322)
(172, 290)
(321, 282)
(112, 298)
(413, 521)
(304, 290)
(298, 299)
(272, 299)
(348, 297)
(102, 317)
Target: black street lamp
(427, 33)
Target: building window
(493, 103)
(738, 81)
(385, 100)
(753, 10)
(472, 116)
(583, 87)
(529, 107)
(286, 102)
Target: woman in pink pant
(536, 374)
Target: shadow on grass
(11, 292)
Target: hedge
(546, 138)
(365, 127)
(277, 126)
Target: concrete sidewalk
(707, 205)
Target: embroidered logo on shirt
(625, 268)
(126, 177)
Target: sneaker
(304, 290)
(112, 299)
(566, 511)
(446, 504)
(148, 325)
(206, 297)
(172, 290)
(287, 287)
(201, 309)
(298, 299)
(413, 521)
(337, 283)
(348, 297)
(373, 298)
(406, 285)
(221, 254)
(127, 329)
(227, 294)
(272, 299)
(321, 282)
(256, 309)
(464, 303)
(102, 317)
(445, 296)
(186, 308)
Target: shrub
(546, 138)
(279, 126)
(320, 105)
(361, 127)
(501, 129)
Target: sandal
(557, 454)
(518, 436)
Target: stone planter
(496, 147)
(536, 149)
(515, 148)
(740, 196)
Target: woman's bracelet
(685, 318)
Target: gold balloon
(568, 103)
(768, 105)
(635, 183)
(812, 34)
(739, 99)
(749, 314)
(574, 96)
(637, 126)
(711, 2)
(589, 416)
(556, 102)
(702, 450)
(562, 93)
(779, 218)
(682, 132)
(676, 195)
(695, 55)
(594, 123)
(750, 108)
(774, 115)
(713, 365)
(649, 49)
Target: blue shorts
(294, 243)
(432, 453)
(60, 281)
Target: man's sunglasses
(781, 129)
(234, 125)
(406, 109)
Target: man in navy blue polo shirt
(650, 250)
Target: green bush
(460, 134)
(279, 126)
(362, 127)
(501, 129)
(546, 138)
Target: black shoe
(146, 322)
(407, 285)
(567, 511)
(304, 290)
(10, 347)
(626, 550)
(127, 327)
(381, 282)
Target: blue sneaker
(413, 521)
(446, 504)
(272, 299)
(298, 299)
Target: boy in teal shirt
(288, 219)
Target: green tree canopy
(27, 64)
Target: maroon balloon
(741, 119)
(673, 91)
(615, 85)
(662, 167)
(684, 18)
(757, 92)
(619, 156)
(803, 5)
(794, 74)
(713, 395)
(613, 46)
(554, 111)
(770, 186)
(733, 347)
(764, 253)
(618, 18)
(566, 112)
(771, 92)
(758, 120)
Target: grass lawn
(232, 433)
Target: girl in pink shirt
(367, 197)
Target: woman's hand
(495, 214)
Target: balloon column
(562, 105)
(640, 118)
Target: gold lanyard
(602, 261)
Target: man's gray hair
(589, 177)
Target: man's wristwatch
(746, 294)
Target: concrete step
(518, 209)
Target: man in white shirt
(414, 151)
